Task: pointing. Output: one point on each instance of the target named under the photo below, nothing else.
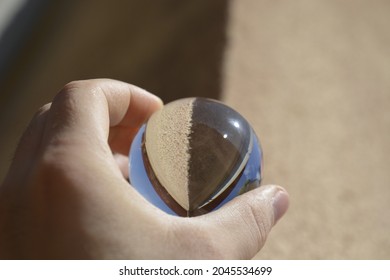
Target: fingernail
(280, 203)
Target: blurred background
(312, 77)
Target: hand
(65, 196)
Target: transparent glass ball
(193, 156)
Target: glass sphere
(193, 156)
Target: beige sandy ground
(313, 77)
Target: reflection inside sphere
(193, 156)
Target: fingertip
(248, 219)
(276, 196)
(280, 203)
(149, 95)
(159, 101)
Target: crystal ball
(194, 155)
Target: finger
(240, 228)
(76, 138)
(84, 112)
(140, 109)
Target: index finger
(99, 110)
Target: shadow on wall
(172, 48)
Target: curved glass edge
(250, 178)
(252, 174)
(139, 178)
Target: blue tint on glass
(250, 177)
(252, 174)
(193, 156)
(138, 177)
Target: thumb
(240, 228)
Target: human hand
(66, 196)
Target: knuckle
(43, 109)
(53, 164)
(73, 85)
(76, 88)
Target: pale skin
(66, 195)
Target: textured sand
(167, 145)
